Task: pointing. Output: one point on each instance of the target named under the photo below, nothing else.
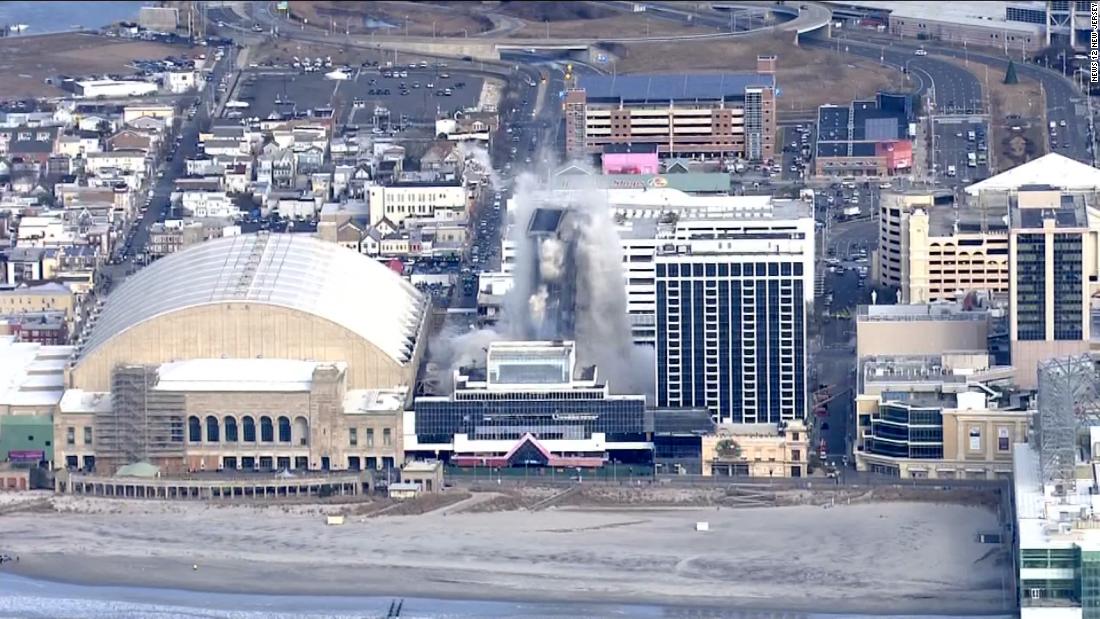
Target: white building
(208, 204)
(91, 89)
(46, 230)
(297, 208)
(177, 82)
(1051, 170)
(422, 200)
(133, 161)
(77, 146)
(640, 216)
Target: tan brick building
(232, 414)
(757, 450)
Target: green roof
(689, 182)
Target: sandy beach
(902, 558)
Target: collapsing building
(552, 302)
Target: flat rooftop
(967, 218)
(986, 14)
(671, 86)
(922, 311)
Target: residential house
(277, 166)
(96, 123)
(309, 160)
(443, 157)
(79, 145)
(150, 123)
(131, 113)
(134, 140)
(238, 178)
(30, 264)
(29, 143)
(133, 161)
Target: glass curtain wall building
(732, 297)
(1047, 270)
(530, 391)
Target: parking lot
(961, 150)
(288, 91)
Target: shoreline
(332, 580)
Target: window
(353, 437)
(1003, 441)
(387, 438)
(975, 438)
(796, 455)
(70, 436)
(87, 435)
(370, 437)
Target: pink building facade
(630, 163)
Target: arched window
(249, 428)
(301, 431)
(284, 429)
(194, 430)
(267, 431)
(231, 430)
(213, 429)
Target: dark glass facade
(1030, 287)
(547, 416)
(731, 337)
(1068, 287)
(902, 431)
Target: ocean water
(24, 598)
(47, 17)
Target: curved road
(955, 89)
(1063, 101)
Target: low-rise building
(95, 89)
(234, 414)
(531, 404)
(134, 161)
(757, 450)
(204, 204)
(173, 235)
(947, 416)
(926, 329)
(177, 82)
(148, 110)
(46, 297)
(411, 199)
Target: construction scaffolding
(143, 424)
(1069, 399)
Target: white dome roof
(286, 270)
